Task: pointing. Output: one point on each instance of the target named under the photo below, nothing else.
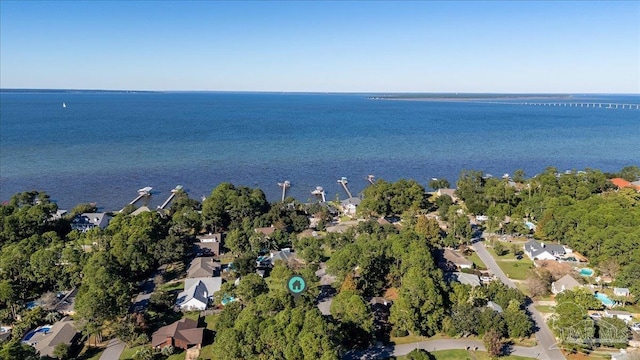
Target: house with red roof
(621, 183)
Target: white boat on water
(145, 190)
(64, 105)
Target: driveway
(545, 337)
(113, 350)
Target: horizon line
(313, 92)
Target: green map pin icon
(296, 285)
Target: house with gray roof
(44, 339)
(196, 297)
(285, 255)
(541, 251)
(451, 260)
(566, 282)
(203, 267)
(621, 291)
(87, 221)
(350, 205)
(463, 278)
(495, 307)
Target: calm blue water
(104, 146)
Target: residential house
(495, 307)
(621, 183)
(209, 245)
(203, 267)
(350, 206)
(140, 210)
(285, 255)
(44, 339)
(621, 291)
(541, 251)
(195, 297)
(450, 260)
(203, 279)
(566, 282)
(622, 315)
(87, 221)
(463, 278)
(182, 334)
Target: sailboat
(64, 105)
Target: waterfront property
(350, 205)
(87, 221)
(566, 282)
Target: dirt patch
(557, 269)
(391, 294)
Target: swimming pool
(605, 299)
(30, 334)
(586, 272)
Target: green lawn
(515, 269)
(172, 286)
(476, 261)
(545, 309)
(129, 352)
(466, 355)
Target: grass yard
(128, 352)
(476, 261)
(172, 286)
(545, 309)
(516, 270)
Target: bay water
(103, 146)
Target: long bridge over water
(576, 104)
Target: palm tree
(52, 316)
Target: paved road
(381, 352)
(113, 350)
(545, 337)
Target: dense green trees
(383, 198)
(228, 205)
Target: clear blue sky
(359, 46)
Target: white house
(350, 206)
(541, 251)
(194, 298)
(622, 315)
(621, 291)
(88, 221)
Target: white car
(635, 327)
(596, 316)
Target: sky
(323, 46)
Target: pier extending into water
(343, 181)
(173, 194)
(146, 191)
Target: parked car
(596, 316)
(635, 327)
